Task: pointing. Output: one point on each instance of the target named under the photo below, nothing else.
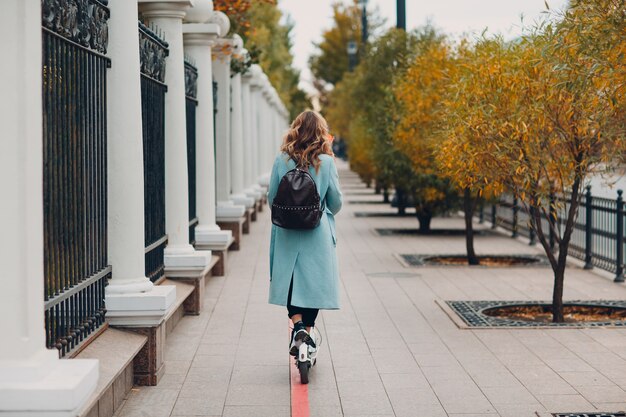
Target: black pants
(308, 314)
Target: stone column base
(248, 220)
(194, 302)
(220, 253)
(235, 226)
(148, 366)
(46, 385)
(242, 200)
(145, 314)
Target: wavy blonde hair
(307, 139)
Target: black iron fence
(153, 52)
(191, 94)
(74, 36)
(598, 236)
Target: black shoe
(298, 338)
(299, 335)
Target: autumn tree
(539, 116)
(420, 97)
(238, 13)
(365, 104)
(566, 125)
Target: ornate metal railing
(598, 236)
(75, 37)
(191, 93)
(153, 52)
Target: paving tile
(198, 406)
(565, 403)
(610, 393)
(509, 395)
(585, 378)
(256, 411)
(258, 394)
(517, 410)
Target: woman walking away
(303, 262)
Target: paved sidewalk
(391, 350)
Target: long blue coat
(307, 255)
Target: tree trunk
(386, 195)
(377, 188)
(557, 295)
(424, 219)
(401, 197)
(468, 208)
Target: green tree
(330, 62)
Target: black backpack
(297, 203)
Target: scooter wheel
(303, 367)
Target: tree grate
(367, 202)
(472, 313)
(431, 232)
(530, 261)
(382, 214)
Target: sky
(455, 17)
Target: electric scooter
(307, 356)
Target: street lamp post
(401, 14)
(352, 50)
(364, 31)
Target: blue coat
(307, 255)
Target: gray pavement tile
(208, 361)
(586, 378)
(172, 381)
(404, 380)
(258, 394)
(517, 410)
(198, 406)
(325, 411)
(406, 398)
(213, 389)
(256, 374)
(326, 396)
(257, 411)
(177, 366)
(363, 405)
(487, 378)
(610, 393)
(509, 395)
(144, 411)
(565, 403)
(474, 415)
(216, 349)
(422, 410)
(611, 407)
(571, 365)
(467, 405)
(216, 373)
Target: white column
(129, 293)
(180, 257)
(226, 208)
(236, 136)
(257, 98)
(267, 148)
(248, 135)
(33, 380)
(199, 37)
